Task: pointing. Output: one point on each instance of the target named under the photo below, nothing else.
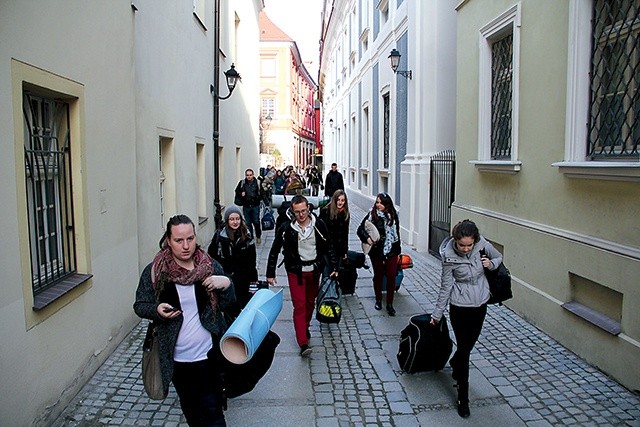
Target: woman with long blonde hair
(336, 216)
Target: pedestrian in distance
(306, 246)
(315, 181)
(249, 196)
(333, 181)
(336, 216)
(279, 182)
(184, 292)
(465, 288)
(233, 247)
(384, 252)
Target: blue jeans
(252, 218)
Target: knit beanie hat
(231, 210)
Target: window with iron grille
(385, 135)
(498, 93)
(614, 121)
(501, 96)
(47, 155)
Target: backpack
(424, 347)
(267, 222)
(328, 307)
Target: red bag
(404, 261)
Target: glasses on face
(301, 211)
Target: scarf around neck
(165, 269)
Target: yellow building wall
(564, 239)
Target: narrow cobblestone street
(519, 375)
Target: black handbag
(499, 282)
(151, 373)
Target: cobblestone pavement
(519, 376)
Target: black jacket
(333, 182)
(167, 329)
(252, 192)
(238, 257)
(338, 231)
(286, 240)
(377, 250)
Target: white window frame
(508, 20)
(268, 107)
(576, 164)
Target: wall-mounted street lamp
(394, 57)
(232, 77)
(331, 123)
(265, 123)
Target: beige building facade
(559, 199)
(107, 125)
(287, 97)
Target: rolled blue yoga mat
(246, 333)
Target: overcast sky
(300, 19)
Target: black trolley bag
(348, 271)
(424, 347)
(347, 280)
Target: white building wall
(428, 30)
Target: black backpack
(424, 347)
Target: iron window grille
(614, 122)
(49, 191)
(501, 97)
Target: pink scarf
(166, 269)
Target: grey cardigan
(167, 329)
(463, 282)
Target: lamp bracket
(215, 93)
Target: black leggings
(467, 324)
(198, 390)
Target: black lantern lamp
(232, 77)
(394, 58)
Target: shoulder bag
(499, 282)
(151, 373)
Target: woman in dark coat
(233, 246)
(384, 252)
(185, 294)
(336, 216)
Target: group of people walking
(186, 290)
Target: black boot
(454, 368)
(463, 400)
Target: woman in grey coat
(185, 294)
(465, 288)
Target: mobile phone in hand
(169, 309)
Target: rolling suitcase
(347, 280)
(424, 347)
(399, 278)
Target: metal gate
(443, 173)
